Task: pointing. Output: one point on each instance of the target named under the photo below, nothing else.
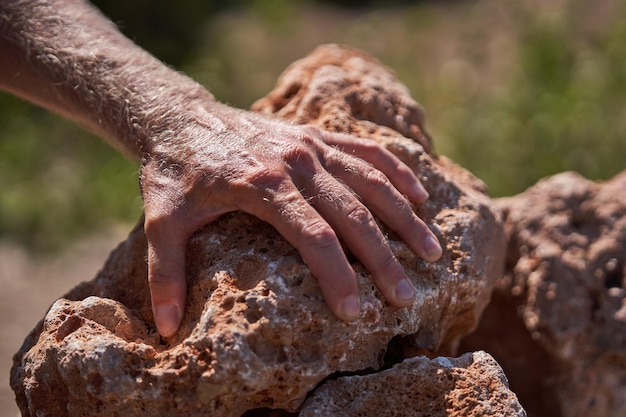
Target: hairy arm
(201, 159)
(65, 56)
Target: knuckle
(382, 258)
(376, 179)
(404, 209)
(310, 134)
(361, 216)
(319, 234)
(297, 151)
(159, 279)
(294, 159)
(264, 178)
(301, 157)
(388, 261)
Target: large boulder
(557, 321)
(256, 332)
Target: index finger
(166, 273)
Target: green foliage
(56, 181)
(514, 91)
(563, 109)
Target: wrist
(157, 113)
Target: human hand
(203, 159)
(313, 186)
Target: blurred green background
(514, 91)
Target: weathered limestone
(557, 321)
(256, 331)
(472, 385)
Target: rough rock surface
(557, 321)
(472, 385)
(256, 332)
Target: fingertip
(168, 284)
(432, 249)
(349, 308)
(167, 318)
(404, 293)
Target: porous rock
(472, 385)
(256, 332)
(557, 321)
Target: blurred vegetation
(514, 91)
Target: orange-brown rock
(557, 321)
(472, 385)
(256, 332)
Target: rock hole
(252, 315)
(292, 90)
(394, 353)
(579, 219)
(228, 303)
(181, 361)
(614, 274)
(297, 280)
(68, 327)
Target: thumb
(166, 276)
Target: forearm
(65, 56)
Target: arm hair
(64, 55)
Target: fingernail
(350, 308)
(432, 247)
(166, 318)
(404, 291)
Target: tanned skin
(201, 159)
